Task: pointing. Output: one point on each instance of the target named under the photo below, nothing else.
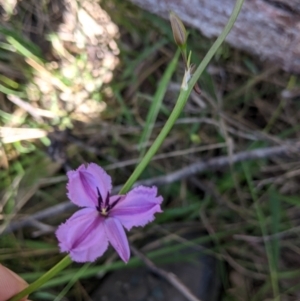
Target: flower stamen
(100, 200)
(114, 203)
(107, 200)
(104, 208)
(104, 212)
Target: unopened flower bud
(178, 29)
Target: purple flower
(86, 234)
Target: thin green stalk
(183, 96)
(75, 277)
(156, 102)
(47, 276)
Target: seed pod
(178, 29)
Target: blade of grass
(215, 239)
(275, 225)
(141, 57)
(261, 219)
(172, 214)
(20, 43)
(263, 291)
(72, 282)
(156, 103)
(8, 91)
(125, 109)
(9, 82)
(22, 49)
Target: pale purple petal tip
(83, 236)
(85, 181)
(138, 207)
(117, 237)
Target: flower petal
(83, 184)
(117, 237)
(138, 207)
(83, 235)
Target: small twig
(167, 155)
(37, 113)
(190, 170)
(259, 239)
(10, 134)
(42, 229)
(170, 277)
(223, 161)
(278, 180)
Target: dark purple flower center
(104, 206)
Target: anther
(107, 200)
(115, 203)
(100, 200)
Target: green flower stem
(47, 276)
(183, 96)
(216, 45)
(182, 99)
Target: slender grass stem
(47, 276)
